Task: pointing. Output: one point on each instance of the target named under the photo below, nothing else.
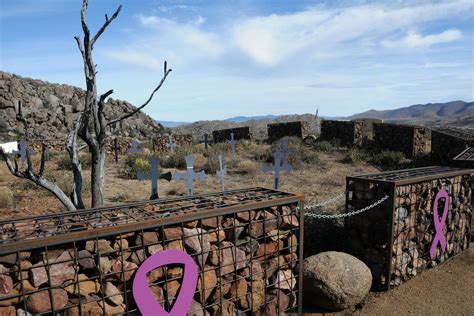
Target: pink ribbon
(143, 296)
(439, 224)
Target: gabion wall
(223, 135)
(413, 141)
(347, 133)
(402, 236)
(245, 244)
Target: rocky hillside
(47, 105)
(423, 112)
(257, 127)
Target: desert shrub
(176, 159)
(389, 159)
(6, 198)
(355, 156)
(246, 166)
(263, 153)
(216, 149)
(64, 162)
(134, 163)
(298, 152)
(212, 165)
(64, 181)
(118, 197)
(323, 146)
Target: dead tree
(91, 127)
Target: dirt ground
(317, 182)
(446, 290)
(442, 291)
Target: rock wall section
(46, 106)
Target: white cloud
(269, 40)
(415, 40)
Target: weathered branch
(166, 73)
(107, 22)
(39, 180)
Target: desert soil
(442, 291)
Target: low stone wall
(411, 140)
(247, 258)
(398, 239)
(278, 131)
(447, 144)
(347, 133)
(223, 135)
(181, 140)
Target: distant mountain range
(455, 113)
(422, 112)
(237, 119)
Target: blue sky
(233, 58)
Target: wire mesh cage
(245, 244)
(413, 141)
(425, 221)
(447, 143)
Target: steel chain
(324, 203)
(343, 215)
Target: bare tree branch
(39, 180)
(107, 22)
(166, 73)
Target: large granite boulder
(335, 280)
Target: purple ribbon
(143, 296)
(439, 224)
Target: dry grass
(317, 181)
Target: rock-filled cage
(245, 243)
(416, 227)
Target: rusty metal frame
(409, 176)
(278, 200)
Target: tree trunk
(98, 175)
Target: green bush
(176, 159)
(355, 156)
(134, 163)
(298, 152)
(323, 146)
(64, 181)
(390, 159)
(64, 161)
(246, 167)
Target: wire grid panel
(368, 234)
(415, 243)
(401, 237)
(247, 262)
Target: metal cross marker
(285, 152)
(171, 143)
(190, 174)
(154, 175)
(276, 169)
(135, 148)
(222, 172)
(206, 141)
(232, 143)
(22, 148)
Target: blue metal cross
(222, 172)
(154, 175)
(135, 147)
(285, 152)
(190, 174)
(232, 143)
(276, 169)
(22, 148)
(171, 143)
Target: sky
(232, 58)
